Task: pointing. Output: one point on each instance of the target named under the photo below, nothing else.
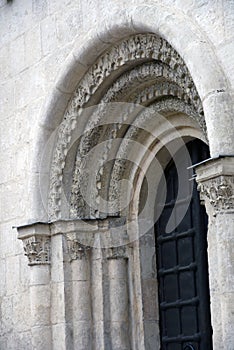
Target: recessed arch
(138, 52)
(161, 70)
(145, 241)
(141, 217)
(131, 22)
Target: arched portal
(136, 99)
(167, 279)
(139, 72)
(133, 108)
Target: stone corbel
(37, 245)
(215, 180)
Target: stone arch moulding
(121, 75)
(178, 30)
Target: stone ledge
(34, 229)
(215, 167)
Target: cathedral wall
(36, 39)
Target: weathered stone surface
(53, 52)
(216, 184)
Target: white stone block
(81, 301)
(69, 24)
(21, 311)
(2, 277)
(57, 302)
(40, 299)
(55, 6)
(4, 59)
(60, 336)
(49, 35)
(40, 274)
(6, 314)
(32, 46)
(7, 99)
(41, 338)
(12, 269)
(40, 9)
(83, 335)
(26, 82)
(17, 49)
(217, 108)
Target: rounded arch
(142, 221)
(204, 69)
(152, 166)
(173, 90)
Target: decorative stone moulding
(216, 183)
(123, 72)
(36, 241)
(80, 236)
(37, 249)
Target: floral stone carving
(37, 249)
(219, 191)
(76, 250)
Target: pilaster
(37, 248)
(216, 184)
(117, 258)
(70, 278)
(79, 284)
(79, 257)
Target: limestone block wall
(36, 41)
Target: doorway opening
(182, 266)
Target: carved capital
(120, 252)
(216, 184)
(36, 241)
(219, 192)
(76, 250)
(37, 249)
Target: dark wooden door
(182, 266)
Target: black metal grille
(182, 269)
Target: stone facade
(92, 93)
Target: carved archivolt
(142, 69)
(133, 133)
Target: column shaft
(119, 304)
(81, 300)
(216, 184)
(40, 299)
(37, 248)
(225, 245)
(97, 300)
